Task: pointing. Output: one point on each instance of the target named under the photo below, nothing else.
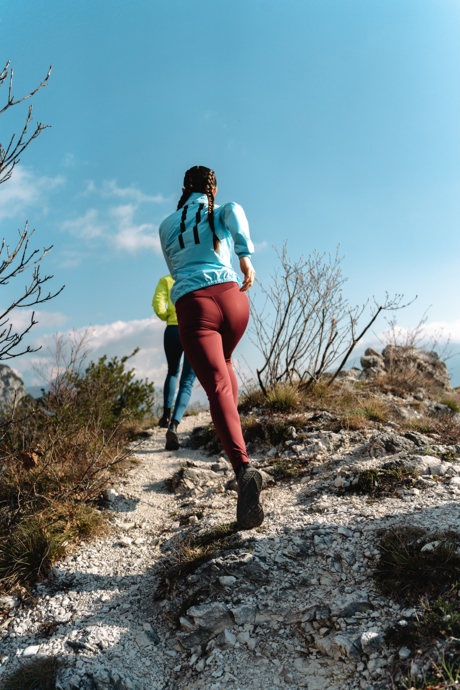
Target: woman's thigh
(234, 306)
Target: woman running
(213, 312)
(164, 308)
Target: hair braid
(201, 179)
(185, 195)
(209, 193)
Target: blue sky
(328, 121)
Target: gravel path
(291, 604)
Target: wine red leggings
(211, 323)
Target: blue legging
(174, 351)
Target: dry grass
(251, 398)
(405, 572)
(445, 429)
(39, 674)
(31, 547)
(404, 382)
(283, 398)
(353, 421)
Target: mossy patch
(289, 468)
(383, 482)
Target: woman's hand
(249, 273)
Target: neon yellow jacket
(161, 302)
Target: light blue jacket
(188, 248)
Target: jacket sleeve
(160, 299)
(234, 219)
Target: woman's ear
(183, 190)
(214, 191)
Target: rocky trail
(291, 604)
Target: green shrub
(55, 457)
(451, 404)
(121, 395)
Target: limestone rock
(347, 606)
(390, 442)
(111, 679)
(11, 385)
(371, 641)
(425, 362)
(8, 603)
(226, 639)
(244, 614)
(338, 645)
(427, 464)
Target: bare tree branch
(11, 101)
(20, 258)
(10, 156)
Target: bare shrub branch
(32, 294)
(306, 325)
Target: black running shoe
(249, 511)
(172, 439)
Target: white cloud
(441, 331)
(69, 161)
(25, 190)
(20, 319)
(111, 189)
(116, 225)
(87, 226)
(118, 338)
(131, 236)
(260, 246)
(447, 329)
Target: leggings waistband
(209, 291)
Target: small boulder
(371, 641)
(226, 639)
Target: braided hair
(203, 180)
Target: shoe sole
(172, 442)
(249, 511)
